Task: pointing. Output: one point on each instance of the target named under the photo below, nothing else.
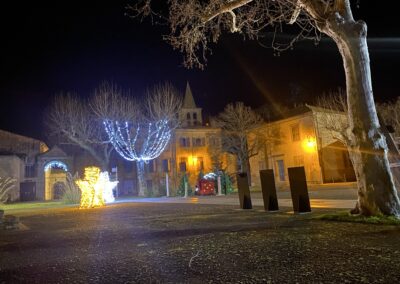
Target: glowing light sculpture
(96, 188)
(141, 142)
(108, 186)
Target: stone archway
(55, 175)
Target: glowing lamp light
(309, 144)
(193, 160)
(96, 188)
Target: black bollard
(298, 190)
(269, 190)
(244, 191)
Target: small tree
(240, 135)
(215, 151)
(181, 189)
(333, 115)
(72, 193)
(390, 113)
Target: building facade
(18, 160)
(194, 149)
(303, 138)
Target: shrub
(181, 188)
(72, 193)
(6, 184)
(226, 182)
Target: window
(184, 142)
(151, 166)
(128, 166)
(280, 170)
(165, 165)
(276, 133)
(182, 164)
(200, 163)
(149, 184)
(188, 115)
(298, 160)
(214, 141)
(194, 116)
(295, 133)
(198, 142)
(30, 171)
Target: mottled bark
(368, 150)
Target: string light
(55, 164)
(140, 143)
(96, 188)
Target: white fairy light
(141, 143)
(96, 188)
(55, 164)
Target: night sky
(75, 45)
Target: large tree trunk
(141, 178)
(368, 150)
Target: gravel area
(195, 243)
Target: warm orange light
(91, 191)
(309, 144)
(193, 160)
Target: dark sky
(75, 45)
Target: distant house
(302, 138)
(40, 172)
(18, 159)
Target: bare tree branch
(238, 122)
(164, 102)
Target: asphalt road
(195, 243)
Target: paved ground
(343, 196)
(195, 243)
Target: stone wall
(12, 166)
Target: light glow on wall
(192, 160)
(309, 144)
(96, 188)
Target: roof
(188, 101)
(14, 135)
(321, 109)
(54, 152)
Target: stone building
(302, 138)
(194, 148)
(18, 159)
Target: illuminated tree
(194, 24)
(240, 136)
(145, 136)
(77, 121)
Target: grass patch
(347, 217)
(32, 205)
